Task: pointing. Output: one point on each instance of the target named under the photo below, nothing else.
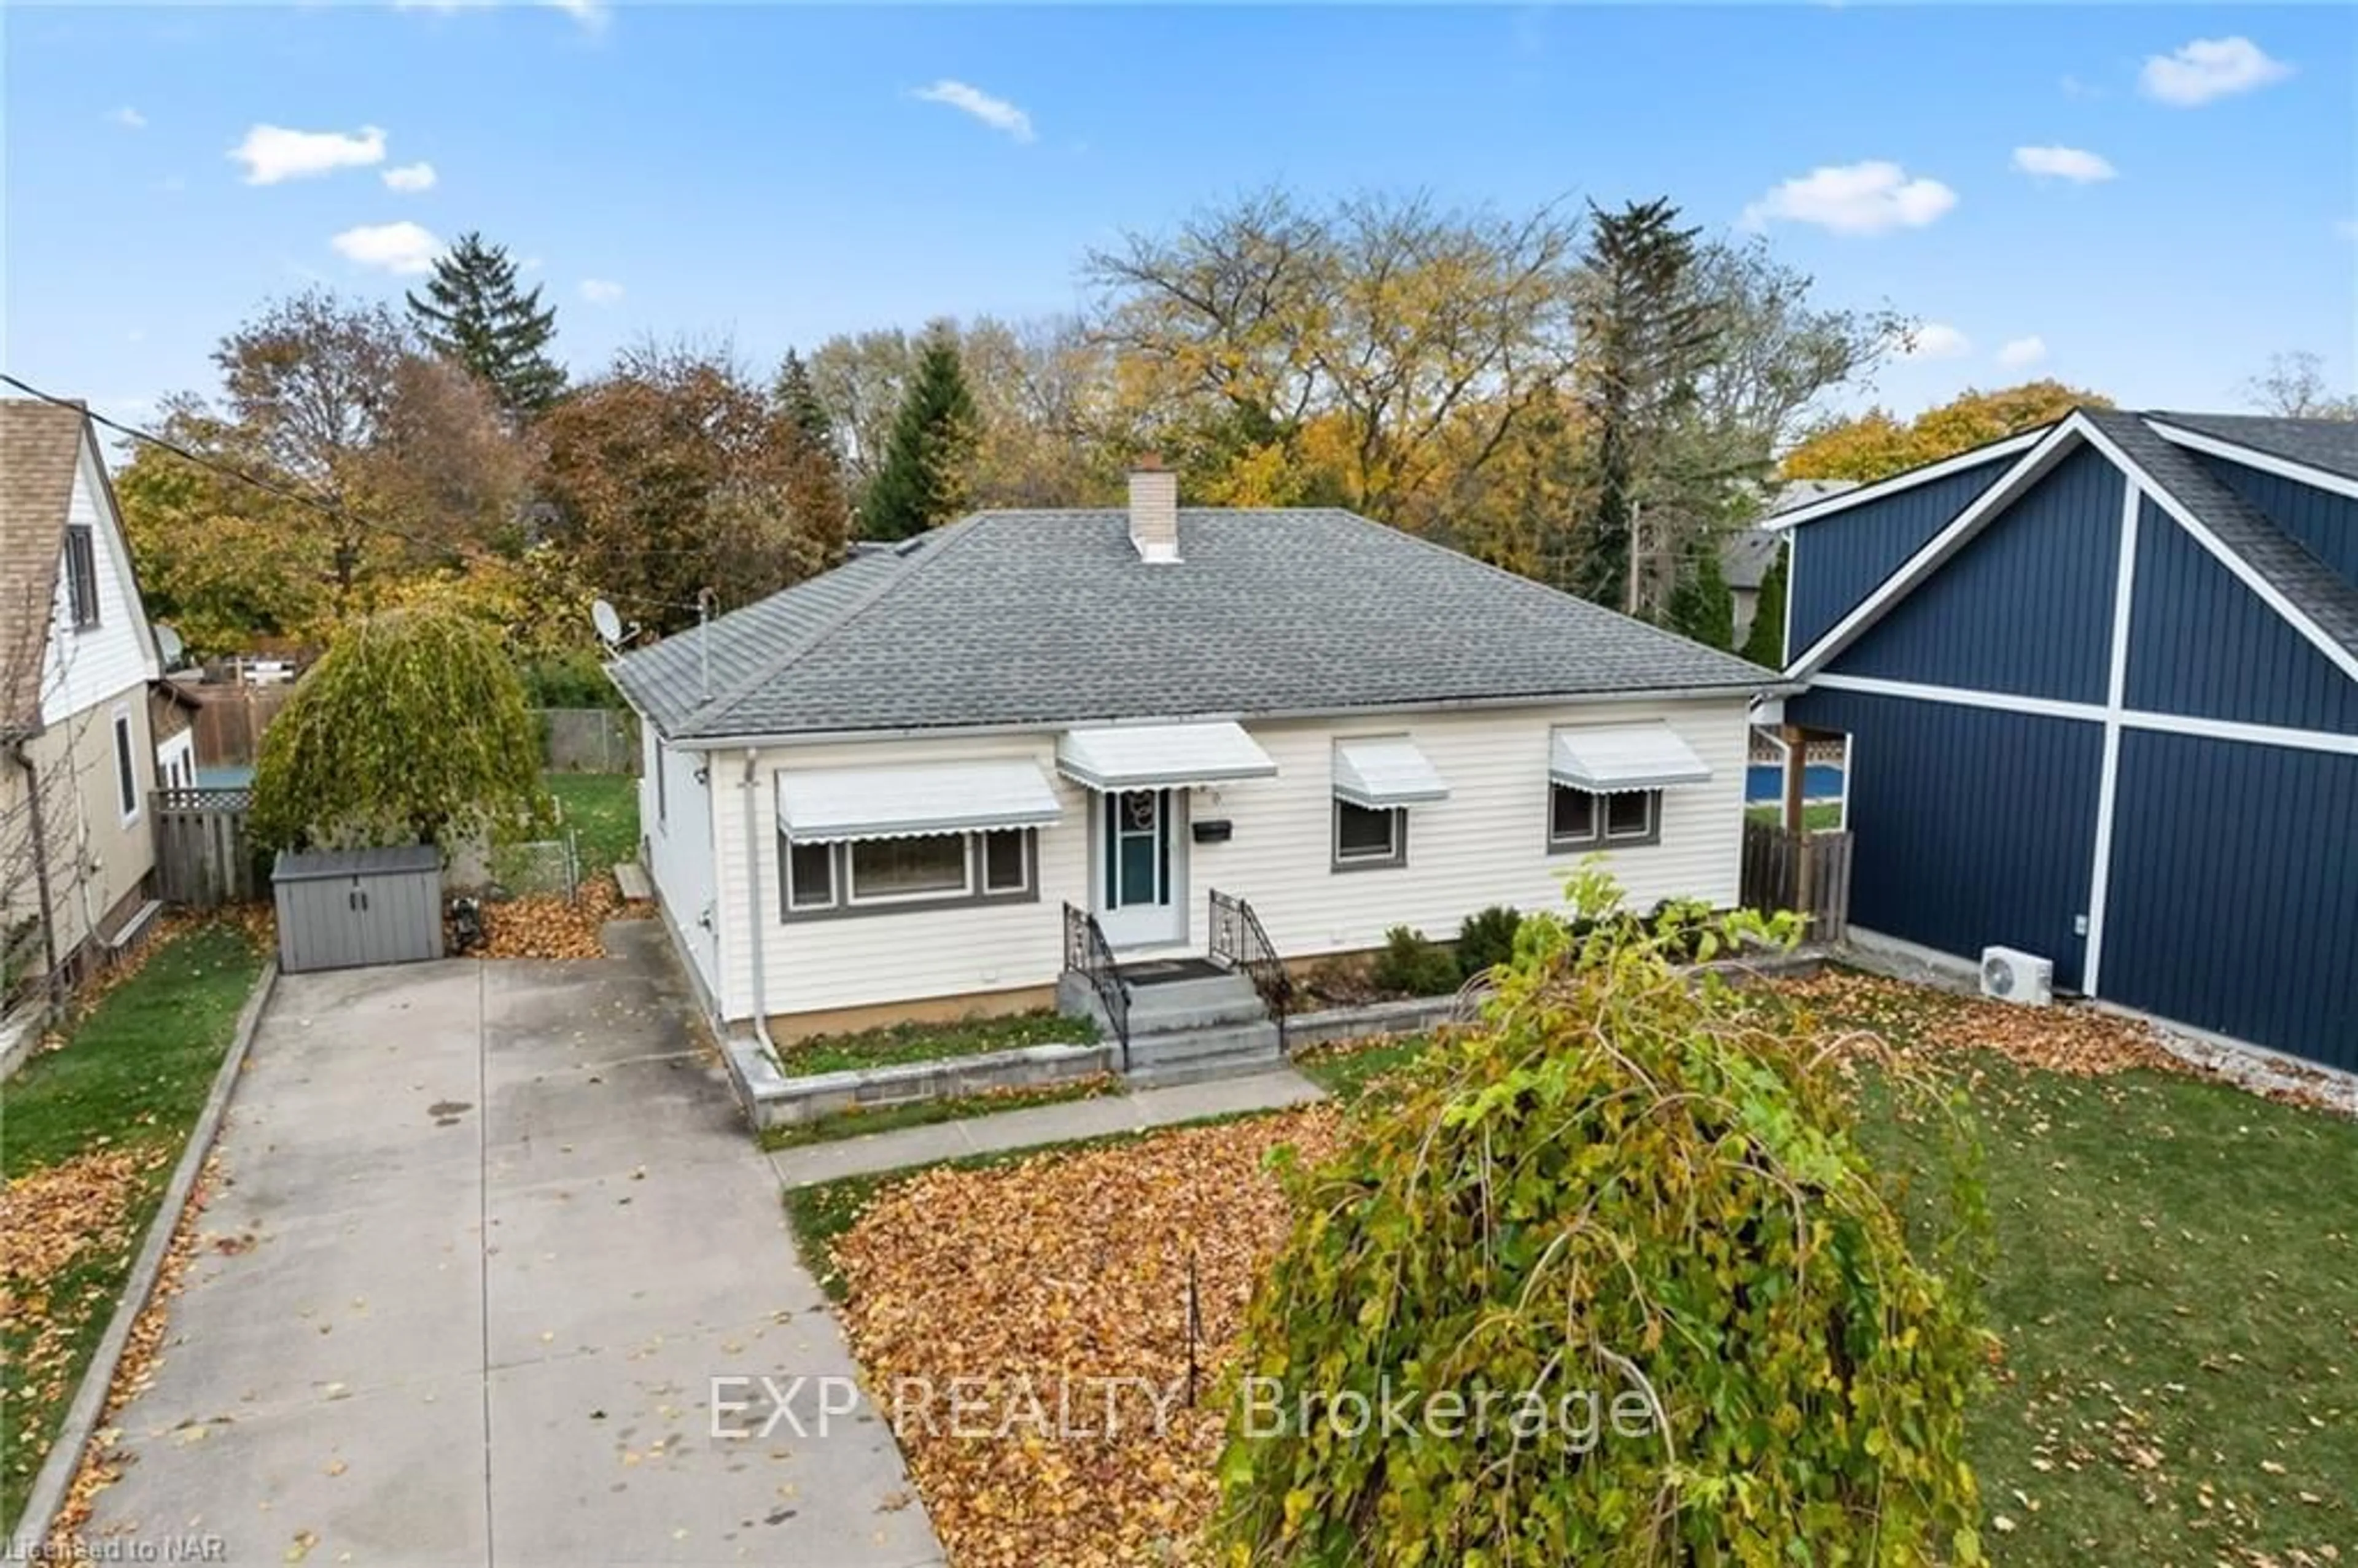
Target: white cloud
(394, 247)
(2074, 164)
(2208, 68)
(996, 113)
(1869, 197)
(272, 153)
(410, 177)
(2021, 352)
(127, 117)
(589, 14)
(1936, 340)
(600, 291)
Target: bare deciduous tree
(2293, 387)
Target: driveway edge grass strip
(89, 1405)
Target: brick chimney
(1154, 511)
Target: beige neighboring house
(78, 663)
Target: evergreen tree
(1766, 644)
(799, 401)
(928, 460)
(474, 314)
(1700, 606)
(1644, 335)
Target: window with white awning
(1161, 756)
(1606, 784)
(833, 806)
(869, 841)
(1606, 759)
(1385, 771)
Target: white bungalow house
(1117, 745)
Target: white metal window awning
(1162, 756)
(1385, 773)
(830, 805)
(1610, 758)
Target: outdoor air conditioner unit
(2018, 977)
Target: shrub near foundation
(1641, 1226)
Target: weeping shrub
(1638, 1201)
(412, 729)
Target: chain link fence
(588, 740)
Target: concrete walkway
(816, 1163)
(485, 1237)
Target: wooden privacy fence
(1805, 871)
(230, 720)
(204, 856)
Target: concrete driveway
(485, 1236)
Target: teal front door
(1141, 870)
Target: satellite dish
(169, 647)
(609, 625)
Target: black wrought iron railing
(1089, 956)
(1239, 942)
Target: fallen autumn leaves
(55, 1223)
(548, 927)
(1060, 1270)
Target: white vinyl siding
(1486, 844)
(86, 668)
(679, 843)
(889, 955)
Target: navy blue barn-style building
(2100, 683)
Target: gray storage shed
(338, 909)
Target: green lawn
(1822, 817)
(2176, 1292)
(603, 808)
(1346, 1069)
(899, 1042)
(132, 1079)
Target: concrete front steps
(1185, 1030)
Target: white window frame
(1560, 842)
(1023, 851)
(834, 900)
(126, 766)
(1652, 833)
(82, 578)
(1601, 835)
(853, 898)
(1395, 850)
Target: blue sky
(776, 174)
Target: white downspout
(753, 904)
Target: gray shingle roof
(1745, 557)
(2328, 444)
(1050, 618)
(2314, 587)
